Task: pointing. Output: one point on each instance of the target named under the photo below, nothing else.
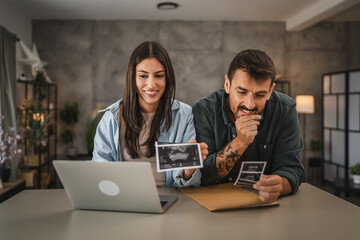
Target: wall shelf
(40, 157)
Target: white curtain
(8, 84)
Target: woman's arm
(204, 152)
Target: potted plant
(33, 119)
(355, 171)
(69, 115)
(33, 123)
(314, 164)
(8, 150)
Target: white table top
(310, 214)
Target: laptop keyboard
(163, 203)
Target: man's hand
(204, 152)
(247, 128)
(270, 187)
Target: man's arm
(286, 152)
(246, 129)
(220, 162)
(287, 173)
(227, 157)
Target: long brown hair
(131, 113)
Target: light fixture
(167, 5)
(305, 104)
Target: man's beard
(253, 111)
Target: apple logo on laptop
(109, 188)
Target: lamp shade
(305, 104)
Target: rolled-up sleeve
(286, 155)
(179, 180)
(177, 175)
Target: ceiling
(297, 14)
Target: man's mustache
(255, 109)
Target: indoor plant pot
(355, 171)
(5, 173)
(356, 179)
(72, 152)
(69, 115)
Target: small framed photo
(170, 156)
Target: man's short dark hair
(256, 63)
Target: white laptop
(112, 186)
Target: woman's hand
(204, 152)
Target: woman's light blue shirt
(107, 144)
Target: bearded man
(249, 121)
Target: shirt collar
(224, 109)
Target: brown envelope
(224, 197)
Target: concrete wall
(88, 58)
(19, 24)
(15, 22)
(309, 54)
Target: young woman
(148, 113)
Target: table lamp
(305, 105)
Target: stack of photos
(170, 156)
(250, 173)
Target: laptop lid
(111, 186)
